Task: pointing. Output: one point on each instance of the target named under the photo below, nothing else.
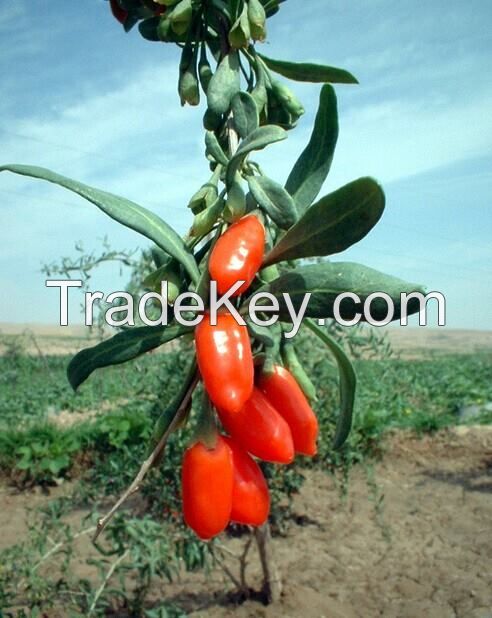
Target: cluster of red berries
(268, 417)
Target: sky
(83, 98)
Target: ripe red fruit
(120, 14)
(250, 497)
(238, 254)
(283, 392)
(207, 481)
(225, 361)
(260, 429)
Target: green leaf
(309, 72)
(327, 280)
(274, 200)
(214, 149)
(55, 466)
(236, 201)
(336, 222)
(205, 220)
(24, 450)
(257, 20)
(311, 169)
(24, 464)
(170, 272)
(348, 383)
(257, 140)
(121, 348)
(261, 138)
(240, 33)
(245, 114)
(180, 16)
(263, 334)
(224, 84)
(122, 210)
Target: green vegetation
(46, 428)
(98, 438)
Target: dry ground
(411, 539)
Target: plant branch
(151, 459)
(105, 581)
(57, 546)
(226, 569)
(272, 584)
(243, 563)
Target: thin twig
(57, 546)
(226, 550)
(149, 462)
(105, 581)
(272, 584)
(226, 570)
(243, 563)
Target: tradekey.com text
(189, 309)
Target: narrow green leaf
(309, 72)
(236, 201)
(327, 280)
(257, 20)
(292, 363)
(347, 386)
(214, 149)
(245, 114)
(274, 200)
(240, 33)
(206, 219)
(333, 224)
(122, 210)
(171, 272)
(261, 138)
(257, 140)
(311, 169)
(263, 334)
(180, 16)
(224, 84)
(121, 348)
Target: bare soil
(412, 538)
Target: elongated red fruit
(250, 497)
(238, 254)
(207, 480)
(225, 361)
(283, 392)
(260, 429)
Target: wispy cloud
(102, 107)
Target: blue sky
(85, 99)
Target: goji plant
(246, 227)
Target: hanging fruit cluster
(244, 226)
(271, 420)
(268, 417)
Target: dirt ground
(411, 539)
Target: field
(396, 525)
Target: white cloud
(396, 139)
